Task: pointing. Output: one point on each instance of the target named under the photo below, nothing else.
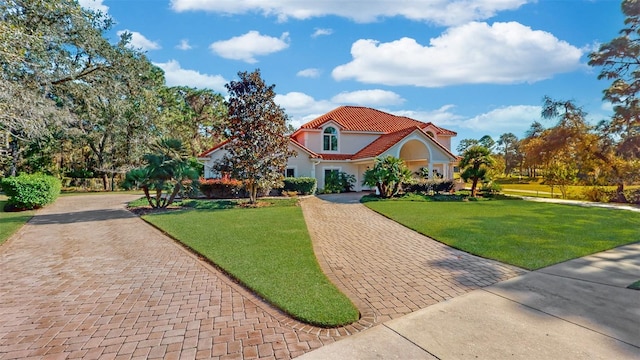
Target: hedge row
(599, 194)
(221, 188)
(28, 192)
(429, 187)
(301, 185)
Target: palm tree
(166, 170)
(475, 163)
(387, 175)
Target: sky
(477, 67)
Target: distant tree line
(74, 104)
(571, 150)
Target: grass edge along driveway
(527, 234)
(10, 222)
(268, 250)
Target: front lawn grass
(527, 234)
(268, 249)
(10, 222)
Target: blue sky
(477, 67)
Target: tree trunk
(474, 187)
(620, 198)
(15, 154)
(105, 181)
(176, 189)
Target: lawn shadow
(473, 272)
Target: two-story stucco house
(349, 139)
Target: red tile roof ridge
(214, 148)
(360, 118)
(383, 143)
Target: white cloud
(321, 32)
(374, 97)
(474, 53)
(184, 45)
(95, 5)
(444, 12)
(443, 116)
(246, 47)
(139, 41)
(302, 108)
(516, 119)
(175, 75)
(310, 73)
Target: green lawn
(10, 222)
(268, 249)
(527, 234)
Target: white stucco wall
(208, 164)
(302, 163)
(350, 143)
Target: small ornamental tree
(257, 151)
(475, 164)
(387, 175)
(167, 168)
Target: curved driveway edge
(87, 279)
(386, 267)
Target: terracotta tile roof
(358, 118)
(383, 143)
(336, 156)
(216, 147)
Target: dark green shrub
(301, 185)
(429, 187)
(339, 181)
(28, 192)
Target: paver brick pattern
(387, 267)
(87, 279)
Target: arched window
(330, 139)
(430, 134)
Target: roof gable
(387, 141)
(358, 118)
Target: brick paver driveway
(87, 279)
(388, 269)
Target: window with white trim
(290, 172)
(330, 139)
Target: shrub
(429, 187)
(632, 196)
(301, 185)
(339, 181)
(491, 188)
(28, 192)
(220, 188)
(598, 194)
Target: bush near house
(301, 185)
(27, 192)
(339, 181)
(429, 187)
(221, 188)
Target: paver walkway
(388, 268)
(87, 279)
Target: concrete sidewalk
(574, 310)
